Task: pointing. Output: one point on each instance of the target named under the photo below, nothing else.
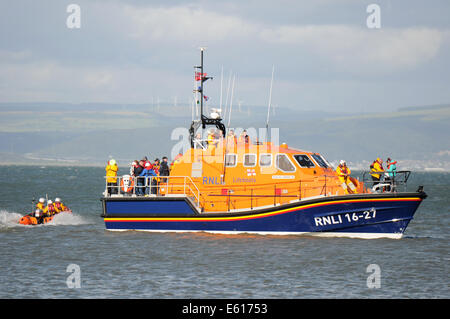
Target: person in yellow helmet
(375, 169)
(50, 210)
(343, 173)
(111, 174)
(41, 204)
(60, 207)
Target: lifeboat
(234, 184)
(30, 219)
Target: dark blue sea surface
(35, 259)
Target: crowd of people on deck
(144, 176)
(49, 209)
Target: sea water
(74, 256)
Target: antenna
(231, 101)
(228, 94)
(270, 102)
(221, 85)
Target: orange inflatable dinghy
(31, 220)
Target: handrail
(123, 187)
(387, 182)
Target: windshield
(320, 160)
(304, 161)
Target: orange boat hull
(30, 220)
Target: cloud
(185, 24)
(384, 49)
(133, 51)
(14, 56)
(48, 80)
(352, 48)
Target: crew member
(111, 174)
(148, 173)
(211, 139)
(60, 207)
(40, 205)
(50, 210)
(343, 173)
(244, 138)
(38, 214)
(375, 169)
(391, 172)
(164, 171)
(164, 168)
(155, 181)
(391, 168)
(231, 141)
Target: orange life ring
(129, 185)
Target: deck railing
(389, 182)
(126, 186)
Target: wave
(9, 219)
(67, 219)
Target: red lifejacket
(51, 208)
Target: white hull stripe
(315, 234)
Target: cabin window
(320, 160)
(303, 161)
(249, 160)
(230, 160)
(284, 164)
(265, 160)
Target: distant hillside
(91, 133)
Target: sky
(325, 54)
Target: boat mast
(201, 85)
(204, 120)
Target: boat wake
(11, 220)
(64, 218)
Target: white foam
(64, 218)
(9, 219)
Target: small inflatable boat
(32, 220)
